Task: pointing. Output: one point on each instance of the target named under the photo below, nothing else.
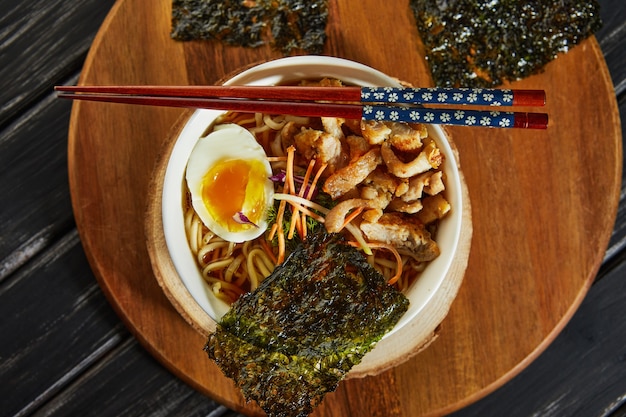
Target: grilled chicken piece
(429, 157)
(399, 231)
(402, 206)
(435, 208)
(332, 126)
(347, 178)
(287, 134)
(435, 184)
(428, 182)
(358, 146)
(375, 132)
(382, 181)
(354, 125)
(407, 137)
(315, 144)
(337, 215)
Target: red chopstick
(400, 95)
(369, 103)
(311, 109)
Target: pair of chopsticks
(368, 103)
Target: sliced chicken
(375, 132)
(398, 230)
(315, 144)
(407, 137)
(430, 157)
(435, 208)
(347, 178)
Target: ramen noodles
(379, 184)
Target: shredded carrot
(315, 216)
(314, 183)
(351, 217)
(281, 236)
(289, 184)
(290, 188)
(298, 203)
(273, 231)
(304, 231)
(302, 224)
(307, 175)
(269, 251)
(295, 219)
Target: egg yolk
(234, 186)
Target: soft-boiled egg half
(228, 176)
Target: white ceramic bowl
(283, 71)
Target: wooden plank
(129, 383)
(33, 157)
(54, 323)
(33, 141)
(617, 243)
(45, 41)
(611, 37)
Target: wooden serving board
(543, 205)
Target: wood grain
(35, 341)
(543, 206)
(551, 385)
(37, 65)
(581, 373)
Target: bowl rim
(281, 71)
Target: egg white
(226, 142)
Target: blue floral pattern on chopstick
(472, 96)
(439, 116)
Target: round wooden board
(543, 205)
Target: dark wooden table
(63, 351)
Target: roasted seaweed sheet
(293, 339)
(289, 25)
(483, 43)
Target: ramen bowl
(175, 266)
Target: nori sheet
(290, 25)
(483, 43)
(295, 337)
